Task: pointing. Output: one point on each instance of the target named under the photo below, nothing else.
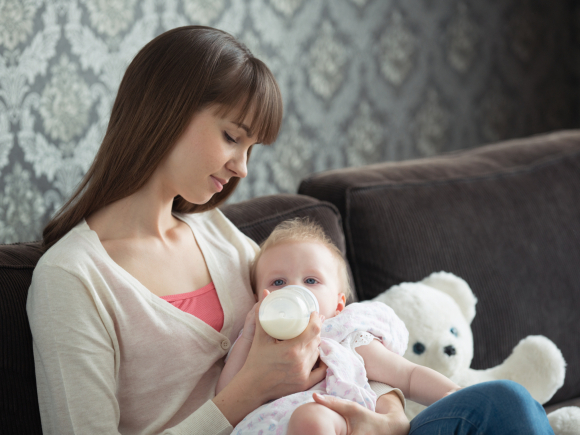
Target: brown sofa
(505, 217)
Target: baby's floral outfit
(358, 324)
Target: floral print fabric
(346, 376)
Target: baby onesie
(356, 325)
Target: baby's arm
(418, 383)
(235, 362)
(239, 353)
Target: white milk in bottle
(284, 313)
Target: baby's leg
(316, 419)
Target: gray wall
(363, 81)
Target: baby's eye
(278, 282)
(310, 281)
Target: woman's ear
(341, 303)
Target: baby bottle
(285, 313)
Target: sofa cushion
(505, 217)
(19, 412)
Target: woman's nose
(238, 166)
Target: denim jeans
(495, 408)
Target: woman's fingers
(259, 333)
(360, 420)
(344, 407)
(318, 374)
(310, 340)
(312, 331)
(279, 368)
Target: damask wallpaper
(363, 81)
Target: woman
(114, 350)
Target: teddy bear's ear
(455, 287)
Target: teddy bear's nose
(449, 350)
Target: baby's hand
(250, 325)
(452, 391)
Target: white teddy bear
(438, 312)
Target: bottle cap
(285, 313)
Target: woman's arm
(420, 384)
(75, 360)
(74, 356)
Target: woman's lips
(219, 183)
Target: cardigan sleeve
(74, 355)
(208, 419)
(379, 388)
(75, 348)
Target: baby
(358, 341)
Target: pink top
(202, 303)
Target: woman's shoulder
(72, 250)
(215, 225)
(213, 217)
(216, 232)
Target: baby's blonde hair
(302, 230)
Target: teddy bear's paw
(565, 421)
(537, 364)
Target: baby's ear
(341, 303)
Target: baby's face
(308, 264)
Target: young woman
(144, 284)
(141, 246)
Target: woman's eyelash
(229, 138)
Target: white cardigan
(111, 357)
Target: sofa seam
(326, 204)
(498, 175)
(347, 234)
(14, 267)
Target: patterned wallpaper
(363, 81)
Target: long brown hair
(174, 76)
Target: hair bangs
(254, 92)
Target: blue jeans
(495, 408)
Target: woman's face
(208, 154)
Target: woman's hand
(284, 367)
(272, 369)
(362, 421)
